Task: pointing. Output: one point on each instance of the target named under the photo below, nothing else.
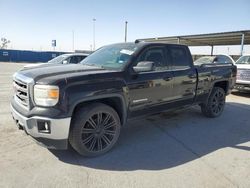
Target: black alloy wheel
(215, 104)
(99, 131)
(218, 102)
(95, 129)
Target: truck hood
(243, 66)
(33, 65)
(37, 73)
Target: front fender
(77, 94)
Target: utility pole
(73, 40)
(94, 20)
(126, 30)
(242, 43)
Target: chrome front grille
(22, 86)
(243, 74)
(21, 92)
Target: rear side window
(179, 58)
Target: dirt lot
(180, 149)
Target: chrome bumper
(58, 128)
(242, 86)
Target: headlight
(46, 95)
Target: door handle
(167, 78)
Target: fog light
(43, 126)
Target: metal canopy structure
(211, 39)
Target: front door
(151, 89)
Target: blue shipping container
(27, 56)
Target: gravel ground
(178, 149)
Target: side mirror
(64, 62)
(144, 66)
(215, 60)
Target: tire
(215, 104)
(94, 130)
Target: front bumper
(56, 134)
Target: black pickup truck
(86, 104)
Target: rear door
(184, 73)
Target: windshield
(243, 60)
(114, 56)
(57, 59)
(204, 60)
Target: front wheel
(215, 104)
(95, 129)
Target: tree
(4, 43)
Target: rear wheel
(215, 104)
(95, 129)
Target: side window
(81, 58)
(223, 59)
(66, 60)
(220, 59)
(179, 58)
(155, 55)
(227, 60)
(73, 60)
(78, 59)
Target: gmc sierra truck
(85, 105)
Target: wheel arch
(224, 84)
(115, 101)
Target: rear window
(179, 58)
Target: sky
(32, 24)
